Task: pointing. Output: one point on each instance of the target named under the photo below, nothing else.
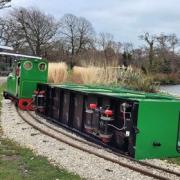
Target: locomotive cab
(22, 81)
(12, 81)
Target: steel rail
(63, 133)
(131, 167)
(106, 149)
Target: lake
(173, 89)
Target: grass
(17, 163)
(2, 87)
(57, 72)
(174, 160)
(86, 75)
(20, 163)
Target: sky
(125, 19)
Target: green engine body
(22, 81)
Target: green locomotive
(22, 81)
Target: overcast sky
(125, 19)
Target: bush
(166, 79)
(134, 78)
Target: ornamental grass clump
(86, 75)
(135, 79)
(57, 72)
(127, 77)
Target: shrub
(165, 79)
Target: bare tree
(173, 41)
(150, 40)
(4, 37)
(127, 54)
(10, 34)
(33, 26)
(162, 46)
(167, 44)
(128, 47)
(108, 46)
(4, 3)
(77, 33)
(162, 40)
(106, 40)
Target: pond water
(174, 89)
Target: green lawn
(20, 163)
(2, 87)
(17, 163)
(174, 160)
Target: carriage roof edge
(6, 48)
(20, 55)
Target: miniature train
(22, 81)
(140, 125)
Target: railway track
(47, 124)
(135, 165)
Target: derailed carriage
(138, 124)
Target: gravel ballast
(86, 165)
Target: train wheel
(5, 95)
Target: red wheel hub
(25, 104)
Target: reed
(129, 77)
(85, 75)
(57, 72)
